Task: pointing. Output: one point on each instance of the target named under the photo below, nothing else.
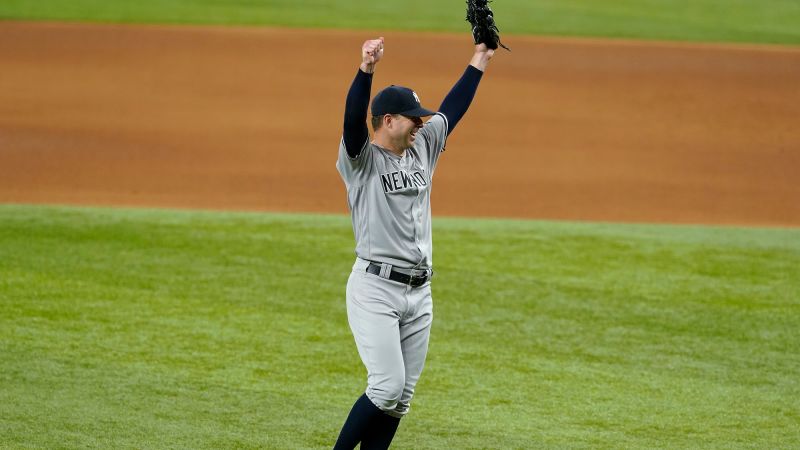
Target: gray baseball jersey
(390, 197)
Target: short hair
(377, 122)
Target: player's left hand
(482, 48)
(481, 57)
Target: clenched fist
(371, 53)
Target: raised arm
(356, 132)
(457, 101)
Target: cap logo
(416, 97)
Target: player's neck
(387, 144)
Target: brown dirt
(250, 118)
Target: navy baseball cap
(398, 100)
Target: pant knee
(386, 395)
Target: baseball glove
(484, 30)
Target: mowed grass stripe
(164, 329)
(766, 21)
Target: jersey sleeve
(457, 101)
(355, 113)
(434, 136)
(354, 170)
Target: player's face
(408, 127)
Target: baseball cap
(398, 100)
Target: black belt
(411, 280)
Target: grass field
(767, 21)
(162, 329)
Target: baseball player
(388, 181)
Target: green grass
(163, 329)
(764, 21)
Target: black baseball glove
(484, 30)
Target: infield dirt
(250, 118)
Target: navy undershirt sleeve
(456, 102)
(355, 113)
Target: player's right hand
(372, 51)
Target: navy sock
(360, 419)
(381, 433)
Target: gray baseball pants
(391, 324)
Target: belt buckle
(418, 280)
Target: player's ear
(387, 120)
